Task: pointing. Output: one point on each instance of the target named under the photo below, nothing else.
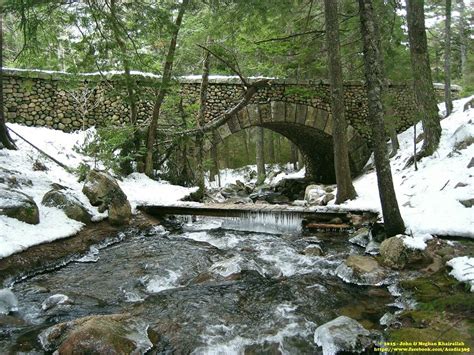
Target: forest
(236, 176)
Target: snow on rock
(429, 197)
(463, 270)
(15, 235)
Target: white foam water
(160, 283)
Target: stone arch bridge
(299, 110)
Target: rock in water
(342, 334)
(361, 270)
(16, 204)
(71, 206)
(55, 300)
(103, 191)
(8, 301)
(396, 255)
(109, 334)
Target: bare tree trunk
(165, 81)
(271, 147)
(447, 60)
(463, 40)
(293, 155)
(214, 160)
(226, 153)
(345, 189)
(246, 139)
(260, 155)
(373, 72)
(202, 121)
(5, 139)
(129, 82)
(423, 84)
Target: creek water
(204, 289)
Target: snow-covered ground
(429, 197)
(15, 235)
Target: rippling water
(204, 289)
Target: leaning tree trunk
(447, 60)
(345, 189)
(5, 140)
(260, 155)
(214, 154)
(373, 72)
(423, 84)
(165, 82)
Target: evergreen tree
(393, 221)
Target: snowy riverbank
(429, 198)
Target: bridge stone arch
(309, 128)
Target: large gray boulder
(68, 203)
(108, 334)
(343, 334)
(18, 205)
(396, 255)
(103, 191)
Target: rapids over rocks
(201, 289)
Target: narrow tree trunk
(423, 84)
(129, 82)
(165, 81)
(226, 153)
(260, 155)
(271, 147)
(293, 155)
(300, 160)
(5, 139)
(345, 189)
(246, 140)
(463, 40)
(373, 72)
(214, 171)
(202, 121)
(447, 60)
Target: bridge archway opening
(309, 129)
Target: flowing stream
(204, 289)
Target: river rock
(361, 237)
(71, 206)
(468, 203)
(328, 197)
(18, 205)
(55, 300)
(396, 255)
(108, 334)
(102, 190)
(373, 248)
(13, 179)
(361, 270)
(343, 334)
(313, 250)
(8, 301)
(313, 194)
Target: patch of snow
(416, 241)
(463, 270)
(428, 198)
(15, 235)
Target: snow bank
(429, 198)
(463, 270)
(16, 236)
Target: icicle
(265, 222)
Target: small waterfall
(265, 222)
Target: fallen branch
(65, 167)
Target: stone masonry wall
(35, 98)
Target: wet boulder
(103, 191)
(343, 334)
(396, 255)
(8, 301)
(361, 237)
(68, 203)
(108, 334)
(18, 205)
(361, 270)
(54, 301)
